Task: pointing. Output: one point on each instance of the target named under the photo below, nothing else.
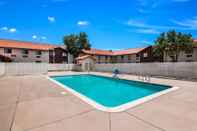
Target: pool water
(109, 92)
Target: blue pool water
(109, 92)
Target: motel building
(183, 56)
(21, 51)
(132, 55)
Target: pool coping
(120, 108)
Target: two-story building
(132, 55)
(21, 51)
(184, 56)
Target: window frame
(25, 51)
(38, 52)
(8, 50)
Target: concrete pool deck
(33, 103)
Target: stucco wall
(183, 56)
(116, 59)
(32, 57)
(179, 70)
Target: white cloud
(34, 37)
(188, 23)
(12, 30)
(145, 42)
(140, 26)
(83, 23)
(4, 28)
(43, 37)
(136, 23)
(51, 19)
(149, 5)
(148, 31)
(37, 37)
(8, 30)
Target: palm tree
(172, 43)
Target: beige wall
(183, 57)
(117, 59)
(126, 59)
(31, 56)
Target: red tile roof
(128, 51)
(84, 57)
(98, 52)
(25, 45)
(112, 53)
(195, 40)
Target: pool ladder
(144, 78)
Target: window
(13, 55)
(25, 51)
(7, 50)
(25, 56)
(145, 55)
(38, 52)
(188, 55)
(122, 57)
(38, 56)
(38, 61)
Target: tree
(83, 41)
(76, 43)
(172, 43)
(70, 42)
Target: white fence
(178, 70)
(34, 68)
(23, 68)
(2, 68)
(61, 67)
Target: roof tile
(113, 53)
(25, 45)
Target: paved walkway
(33, 103)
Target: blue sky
(110, 24)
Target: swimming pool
(109, 94)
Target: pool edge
(118, 108)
